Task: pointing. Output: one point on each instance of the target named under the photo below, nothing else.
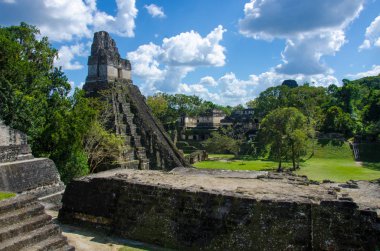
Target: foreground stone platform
(227, 210)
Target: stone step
(131, 164)
(131, 127)
(144, 164)
(128, 115)
(32, 237)
(52, 201)
(20, 214)
(23, 227)
(16, 203)
(52, 243)
(141, 155)
(47, 190)
(128, 119)
(140, 149)
(137, 144)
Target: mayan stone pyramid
(148, 145)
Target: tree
(270, 99)
(220, 143)
(168, 108)
(35, 99)
(338, 121)
(285, 132)
(101, 147)
(29, 84)
(159, 106)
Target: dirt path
(359, 163)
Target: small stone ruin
(148, 145)
(20, 172)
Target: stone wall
(20, 172)
(197, 156)
(105, 63)
(9, 136)
(191, 217)
(15, 152)
(26, 175)
(13, 145)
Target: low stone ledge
(206, 210)
(20, 176)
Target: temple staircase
(135, 157)
(25, 226)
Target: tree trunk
(279, 169)
(293, 158)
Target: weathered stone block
(20, 172)
(173, 210)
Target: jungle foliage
(36, 98)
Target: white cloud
(312, 29)
(208, 80)
(162, 67)
(155, 11)
(303, 54)
(190, 49)
(232, 90)
(372, 35)
(268, 19)
(365, 45)
(59, 20)
(374, 71)
(66, 55)
(64, 20)
(123, 24)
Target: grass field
(332, 160)
(4, 195)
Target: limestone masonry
(20, 172)
(24, 226)
(149, 147)
(190, 209)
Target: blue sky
(226, 51)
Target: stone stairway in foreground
(25, 226)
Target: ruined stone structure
(24, 226)
(243, 123)
(20, 172)
(200, 128)
(196, 156)
(191, 209)
(149, 147)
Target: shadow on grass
(249, 157)
(372, 165)
(369, 152)
(333, 142)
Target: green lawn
(4, 195)
(332, 160)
